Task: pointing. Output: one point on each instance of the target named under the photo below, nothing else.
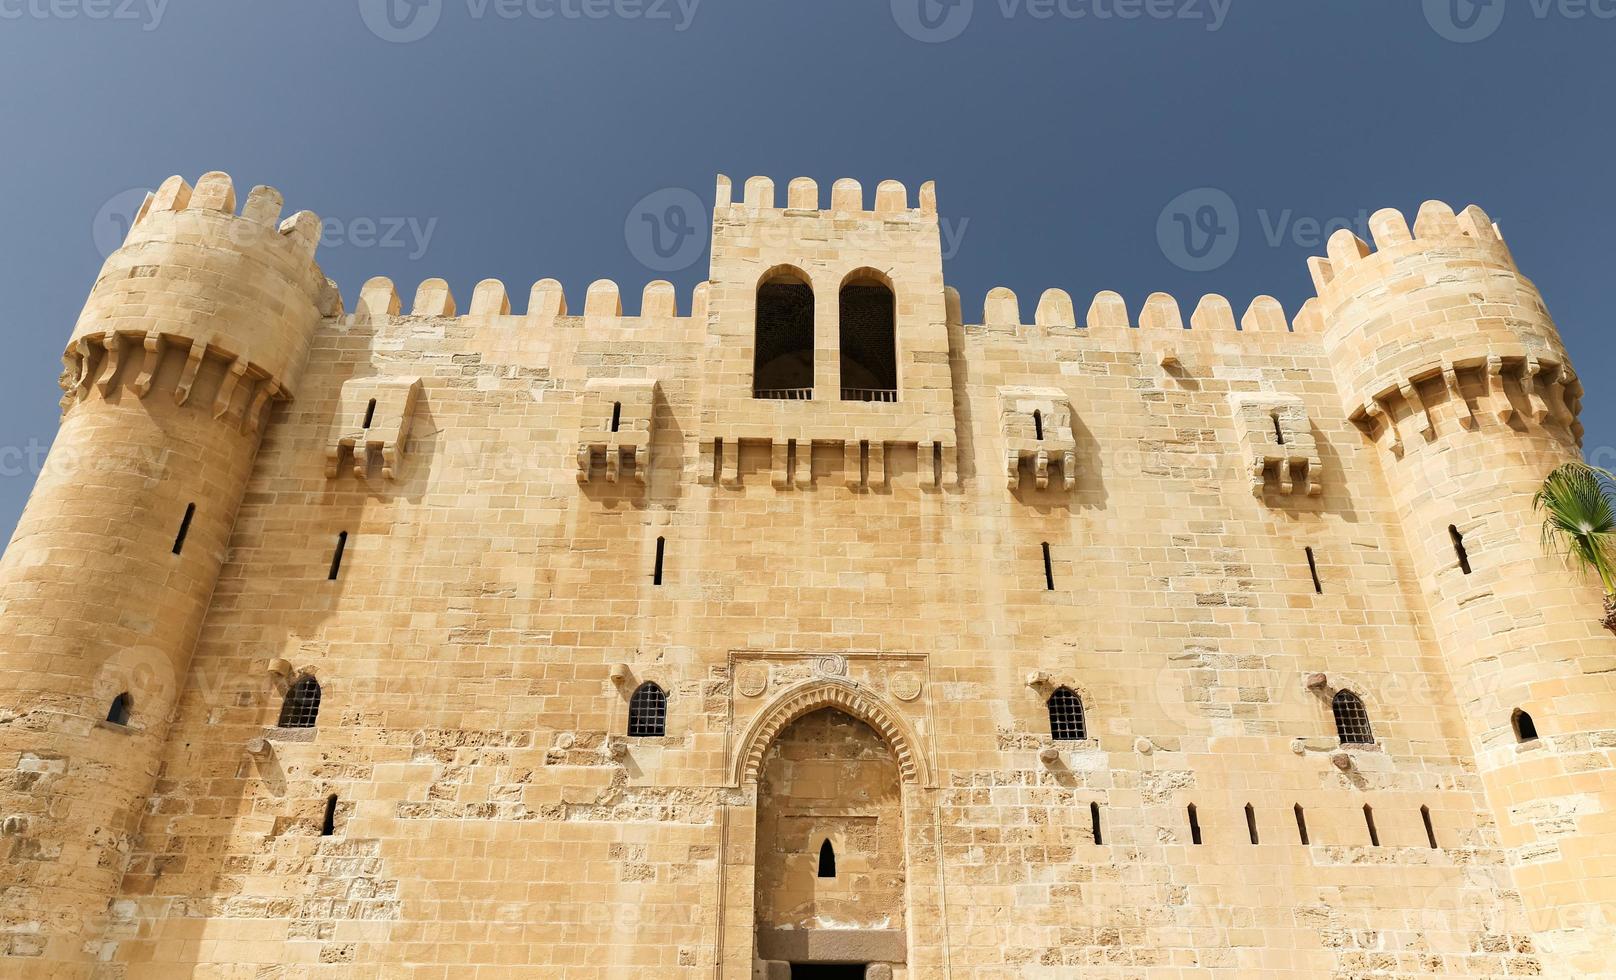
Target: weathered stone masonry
(852, 565)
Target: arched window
(827, 860)
(648, 712)
(302, 704)
(1525, 727)
(868, 314)
(1351, 719)
(1066, 722)
(118, 714)
(783, 350)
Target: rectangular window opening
(1313, 570)
(1301, 825)
(1430, 830)
(1369, 821)
(1459, 548)
(1251, 822)
(1094, 820)
(1195, 826)
(1049, 570)
(656, 573)
(185, 528)
(336, 556)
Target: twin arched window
(783, 348)
(1066, 721)
(1351, 719)
(648, 712)
(302, 705)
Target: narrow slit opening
(1094, 821)
(1430, 829)
(1251, 822)
(1369, 821)
(1313, 570)
(1459, 548)
(1279, 433)
(1301, 825)
(336, 556)
(185, 528)
(656, 573)
(617, 415)
(1049, 570)
(1038, 424)
(329, 825)
(1195, 826)
(827, 860)
(370, 414)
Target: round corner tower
(195, 327)
(1446, 357)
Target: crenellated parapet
(1435, 327)
(238, 294)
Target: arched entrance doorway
(831, 884)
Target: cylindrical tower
(1446, 356)
(195, 327)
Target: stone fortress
(799, 628)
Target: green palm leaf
(1579, 519)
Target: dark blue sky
(515, 138)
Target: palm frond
(1579, 519)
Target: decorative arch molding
(845, 696)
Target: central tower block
(194, 329)
(1446, 357)
(827, 336)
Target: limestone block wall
(469, 802)
(492, 814)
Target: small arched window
(648, 712)
(1525, 727)
(1066, 722)
(302, 705)
(827, 860)
(122, 705)
(1351, 719)
(868, 313)
(783, 344)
